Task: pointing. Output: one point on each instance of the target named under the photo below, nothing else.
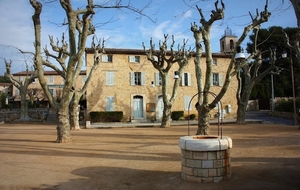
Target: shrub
(285, 105)
(102, 116)
(191, 117)
(176, 115)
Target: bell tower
(228, 41)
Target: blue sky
(127, 30)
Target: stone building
(126, 81)
(35, 93)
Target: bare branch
(128, 7)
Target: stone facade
(126, 81)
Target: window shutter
(131, 78)
(131, 59)
(186, 103)
(182, 80)
(211, 80)
(189, 79)
(110, 100)
(104, 58)
(143, 78)
(220, 80)
(110, 78)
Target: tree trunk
(241, 113)
(166, 118)
(24, 106)
(242, 104)
(63, 127)
(203, 121)
(74, 112)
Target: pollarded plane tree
(79, 91)
(22, 86)
(61, 55)
(202, 33)
(163, 60)
(293, 45)
(252, 73)
(68, 55)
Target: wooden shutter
(104, 58)
(110, 100)
(110, 78)
(186, 103)
(182, 79)
(220, 80)
(143, 80)
(189, 79)
(131, 78)
(131, 59)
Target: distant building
(6, 88)
(228, 41)
(35, 93)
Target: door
(137, 107)
(160, 106)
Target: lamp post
(272, 98)
(284, 55)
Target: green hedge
(286, 105)
(106, 116)
(191, 117)
(176, 115)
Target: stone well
(205, 158)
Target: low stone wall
(205, 158)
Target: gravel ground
(264, 156)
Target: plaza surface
(264, 156)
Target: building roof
(5, 84)
(142, 52)
(25, 73)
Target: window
(110, 78)
(158, 79)
(216, 79)
(52, 91)
(214, 62)
(17, 92)
(51, 79)
(231, 45)
(187, 100)
(223, 46)
(110, 103)
(186, 79)
(134, 59)
(137, 78)
(20, 79)
(107, 58)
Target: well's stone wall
(205, 160)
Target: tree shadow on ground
(257, 175)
